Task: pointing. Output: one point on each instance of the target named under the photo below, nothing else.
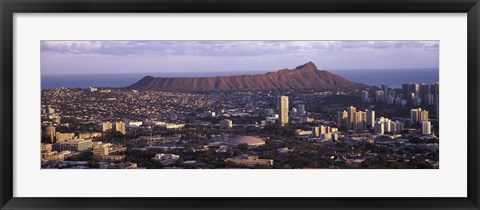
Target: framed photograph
(239, 105)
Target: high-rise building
(415, 115)
(120, 127)
(435, 89)
(393, 127)
(417, 101)
(385, 92)
(411, 98)
(351, 116)
(316, 131)
(379, 127)
(398, 101)
(379, 96)
(423, 116)
(106, 126)
(437, 102)
(384, 125)
(360, 119)
(425, 92)
(431, 99)
(392, 93)
(414, 88)
(418, 115)
(426, 128)
(364, 96)
(409, 91)
(411, 88)
(283, 109)
(405, 91)
(342, 117)
(370, 121)
(301, 109)
(387, 125)
(390, 99)
(400, 126)
(436, 92)
(50, 132)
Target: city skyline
(160, 136)
(88, 57)
(299, 115)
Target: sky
(104, 57)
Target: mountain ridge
(303, 77)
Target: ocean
(391, 77)
(373, 77)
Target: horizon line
(239, 71)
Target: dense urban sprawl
(380, 127)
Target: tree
(366, 163)
(243, 147)
(394, 165)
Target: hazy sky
(79, 57)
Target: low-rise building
(108, 165)
(46, 147)
(250, 160)
(135, 124)
(89, 135)
(226, 124)
(113, 157)
(73, 145)
(101, 150)
(174, 126)
(60, 137)
(54, 156)
(158, 139)
(300, 132)
(166, 159)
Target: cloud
(132, 56)
(385, 45)
(382, 45)
(74, 47)
(223, 48)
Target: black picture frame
(10, 7)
